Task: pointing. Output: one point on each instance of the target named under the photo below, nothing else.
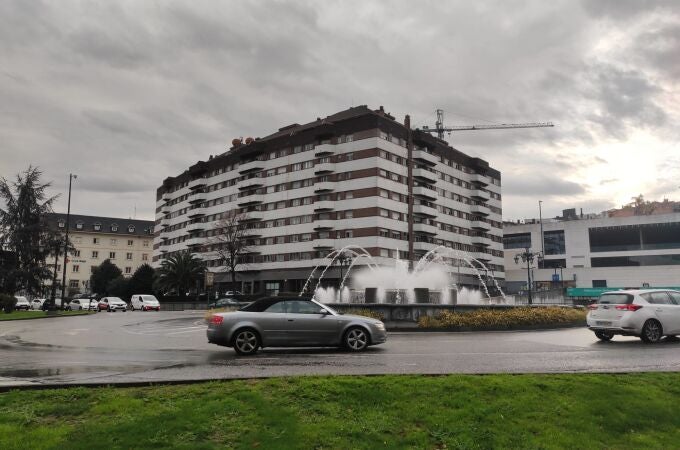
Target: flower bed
(507, 318)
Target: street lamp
(71, 177)
(528, 257)
(344, 259)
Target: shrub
(366, 313)
(502, 318)
(7, 302)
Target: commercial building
(609, 250)
(127, 243)
(356, 177)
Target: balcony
(424, 157)
(166, 197)
(425, 210)
(480, 240)
(423, 246)
(324, 205)
(194, 227)
(197, 183)
(324, 150)
(479, 179)
(165, 209)
(480, 195)
(324, 243)
(480, 209)
(250, 166)
(324, 186)
(484, 257)
(323, 168)
(250, 199)
(424, 175)
(253, 216)
(324, 224)
(250, 183)
(198, 197)
(165, 222)
(479, 225)
(425, 228)
(424, 192)
(194, 241)
(196, 212)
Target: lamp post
(343, 259)
(528, 256)
(71, 177)
(540, 221)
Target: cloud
(541, 186)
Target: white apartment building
(597, 252)
(356, 177)
(127, 243)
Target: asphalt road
(169, 346)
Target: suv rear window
(615, 299)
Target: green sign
(596, 292)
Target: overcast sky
(126, 93)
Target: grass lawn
(456, 411)
(21, 315)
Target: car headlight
(379, 325)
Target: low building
(602, 251)
(357, 177)
(127, 243)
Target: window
(349, 233)
(519, 240)
(75, 268)
(73, 284)
(657, 298)
(301, 307)
(95, 254)
(675, 296)
(61, 224)
(554, 242)
(131, 242)
(131, 228)
(114, 241)
(114, 227)
(97, 226)
(599, 283)
(79, 226)
(95, 240)
(279, 307)
(641, 260)
(77, 240)
(112, 255)
(295, 238)
(76, 253)
(145, 243)
(128, 256)
(349, 214)
(145, 256)
(128, 270)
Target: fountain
(430, 281)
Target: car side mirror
(323, 312)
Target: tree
(232, 242)
(141, 281)
(119, 287)
(24, 232)
(102, 275)
(180, 272)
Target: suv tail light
(630, 307)
(216, 319)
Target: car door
(272, 322)
(666, 311)
(675, 300)
(307, 326)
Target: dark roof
(142, 227)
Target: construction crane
(440, 129)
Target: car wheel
(356, 339)
(652, 331)
(604, 335)
(246, 342)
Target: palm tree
(180, 272)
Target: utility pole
(71, 177)
(540, 221)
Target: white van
(145, 303)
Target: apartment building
(609, 250)
(127, 243)
(357, 177)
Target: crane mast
(440, 129)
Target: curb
(46, 317)
(540, 327)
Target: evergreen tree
(25, 236)
(102, 275)
(141, 281)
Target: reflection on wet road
(144, 347)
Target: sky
(127, 93)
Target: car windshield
(148, 298)
(615, 299)
(327, 307)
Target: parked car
(224, 301)
(144, 302)
(37, 303)
(111, 304)
(648, 314)
(46, 302)
(79, 304)
(22, 303)
(292, 322)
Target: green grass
(582, 411)
(24, 315)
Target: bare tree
(231, 242)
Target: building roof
(107, 224)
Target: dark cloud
(127, 93)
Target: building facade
(357, 177)
(605, 251)
(127, 243)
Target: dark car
(225, 301)
(292, 322)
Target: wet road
(168, 346)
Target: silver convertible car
(292, 322)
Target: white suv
(649, 314)
(145, 303)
